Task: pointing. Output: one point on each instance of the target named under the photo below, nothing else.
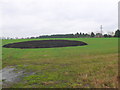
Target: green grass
(92, 66)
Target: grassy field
(92, 66)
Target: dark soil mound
(45, 44)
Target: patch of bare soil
(45, 44)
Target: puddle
(10, 76)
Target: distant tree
(92, 34)
(98, 35)
(77, 35)
(117, 33)
(80, 34)
(87, 35)
(109, 36)
(105, 35)
(83, 35)
(32, 37)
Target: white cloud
(21, 18)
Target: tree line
(80, 35)
(77, 35)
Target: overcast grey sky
(25, 18)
